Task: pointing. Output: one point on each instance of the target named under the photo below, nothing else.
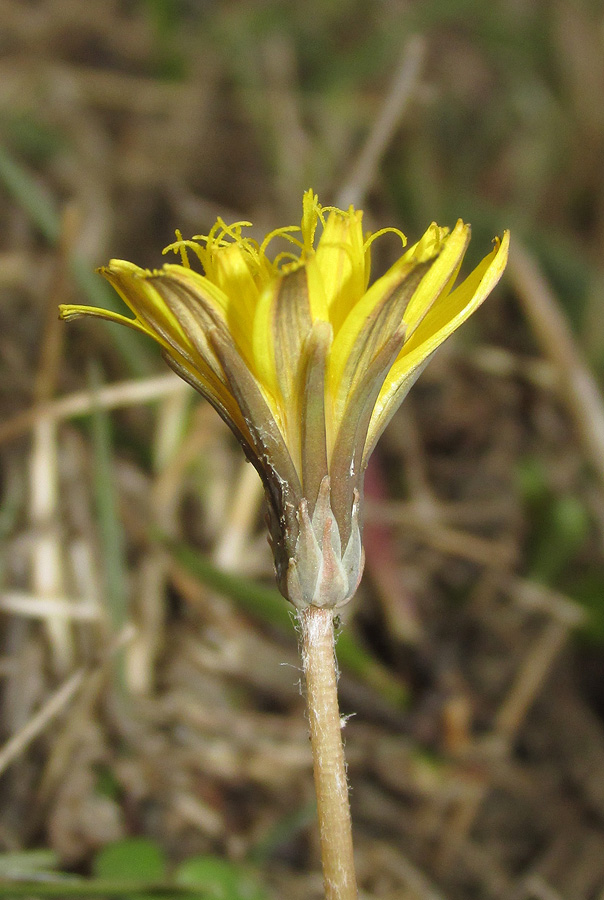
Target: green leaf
(135, 859)
(219, 879)
(588, 590)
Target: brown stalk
(335, 831)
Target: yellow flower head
(305, 361)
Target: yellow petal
(232, 286)
(272, 453)
(233, 276)
(454, 308)
(310, 411)
(263, 338)
(317, 296)
(211, 293)
(131, 284)
(397, 278)
(340, 258)
(440, 276)
(194, 314)
(367, 328)
(282, 325)
(69, 311)
(345, 456)
(440, 322)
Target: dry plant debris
(137, 699)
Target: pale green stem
(335, 831)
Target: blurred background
(152, 727)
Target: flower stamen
(376, 234)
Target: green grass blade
(23, 188)
(41, 210)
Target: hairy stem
(318, 659)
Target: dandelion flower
(306, 361)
